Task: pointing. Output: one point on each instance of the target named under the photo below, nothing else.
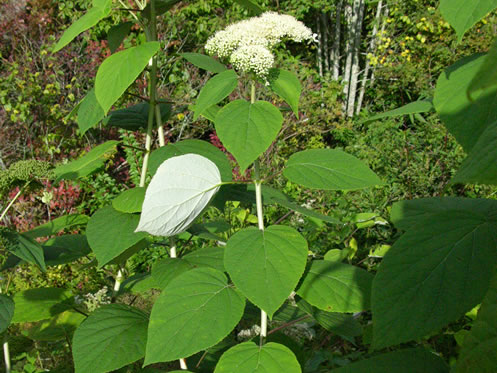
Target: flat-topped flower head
(248, 44)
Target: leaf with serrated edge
(194, 312)
(179, 191)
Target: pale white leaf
(179, 191)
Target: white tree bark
(320, 46)
(335, 51)
(349, 49)
(326, 48)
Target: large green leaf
(194, 312)
(329, 169)
(464, 118)
(247, 130)
(6, 312)
(336, 287)
(55, 226)
(436, 272)
(65, 249)
(486, 77)
(110, 233)
(200, 147)
(130, 200)
(250, 358)
(100, 10)
(215, 90)
(479, 346)
(90, 112)
(179, 191)
(117, 34)
(167, 269)
(413, 360)
(286, 85)
(135, 117)
(464, 14)
(112, 337)
(421, 106)
(39, 304)
(59, 327)
(204, 62)
(87, 164)
(121, 69)
(24, 248)
(273, 262)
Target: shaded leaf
(90, 112)
(204, 62)
(135, 117)
(130, 200)
(6, 312)
(55, 226)
(215, 90)
(62, 326)
(286, 85)
(65, 249)
(39, 304)
(117, 34)
(421, 106)
(24, 248)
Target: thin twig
(290, 323)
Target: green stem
(6, 354)
(11, 203)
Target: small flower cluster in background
(248, 43)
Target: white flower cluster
(248, 43)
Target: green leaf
(463, 14)
(208, 257)
(6, 312)
(135, 117)
(274, 260)
(200, 147)
(336, 287)
(139, 283)
(55, 226)
(90, 112)
(117, 34)
(100, 10)
(161, 7)
(416, 107)
(286, 85)
(87, 164)
(65, 249)
(112, 337)
(466, 119)
(110, 233)
(62, 326)
(329, 169)
(413, 360)
(39, 304)
(247, 130)
(24, 248)
(436, 272)
(250, 358)
(479, 346)
(194, 312)
(251, 5)
(121, 69)
(130, 200)
(179, 191)
(215, 90)
(486, 77)
(204, 62)
(211, 112)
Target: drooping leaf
(416, 107)
(286, 85)
(39, 304)
(112, 337)
(90, 112)
(55, 226)
(233, 192)
(138, 283)
(248, 357)
(204, 62)
(199, 230)
(413, 360)
(251, 5)
(24, 248)
(65, 249)
(247, 130)
(100, 10)
(118, 71)
(336, 287)
(463, 14)
(211, 112)
(110, 233)
(466, 119)
(161, 7)
(215, 90)
(329, 169)
(179, 191)
(87, 164)
(199, 147)
(117, 34)
(273, 259)
(130, 200)
(62, 326)
(436, 272)
(135, 117)
(6, 312)
(194, 312)
(479, 346)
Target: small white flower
(254, 58)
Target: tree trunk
(383, 25)
(326, 49)
(320, 46)
(335, 51)
(349, 50)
